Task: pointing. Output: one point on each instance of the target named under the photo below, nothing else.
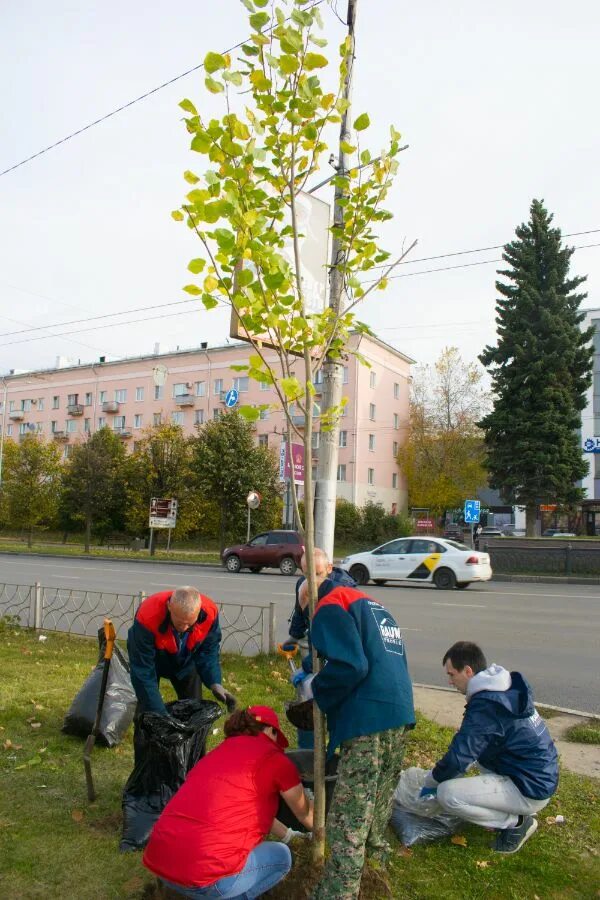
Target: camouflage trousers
(368, 773)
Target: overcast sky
(497, 101)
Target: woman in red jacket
(209, 840)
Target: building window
(372, 379)
(53, 426)
(87, 425)
(372, 443)
(343, 439)
(157, 419)
(159, 391)
(341, 472)
(396, 391)
(137, 420)
(177, 417)
(199, 415)
(118, 423)
(315, 440)
(23, 428)
(103, 396)
(39, 427)
(370, 476)
(263, 440)
(372, 411)
(26, 405)
(11, 405)
(396, 421)
(88, 398)
(72, 399)
(40, 404)
(394, 480)
(345, 373)
(265, 386)
(218, 386)
(319, 376)
(55, 402)
(217, 413)
(9, 430)
(395, 449)
(264, 414)
(121, 395)
(139, 393)
(71, 426)
(102, 422)
(200, 389)
(241, 384)
(180, 389)
(67, 451)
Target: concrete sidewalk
(446, 708)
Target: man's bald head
(323, 569)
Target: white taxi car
(446, 563)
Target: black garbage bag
(119, 701)
(413, 829)
(166, 748)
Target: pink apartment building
(63, 404)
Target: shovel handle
(110, 635)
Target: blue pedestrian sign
(472, 511)
(231, 398)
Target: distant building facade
(64, 404)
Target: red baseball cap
(269, 717)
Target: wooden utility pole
(326, 483)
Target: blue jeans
(266, 865)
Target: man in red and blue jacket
(176, 635)
(365, 690)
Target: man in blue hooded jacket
(503, 733)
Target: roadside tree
(246, 212)
(94, 484)
(442, 459)
(227, 465)
(31, 483)
(541, 368)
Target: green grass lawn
(585, 733)
(53, 844)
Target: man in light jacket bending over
(504, 734)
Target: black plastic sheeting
(119, 701)
(304, 762)
(166, 748)
(412, 829)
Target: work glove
(430, 786)
(291, 834)
(290, 645)
(223, 696)
(298, 677)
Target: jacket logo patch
(390, 632)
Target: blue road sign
(472, 511)
(231, 398)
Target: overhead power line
(123, 107)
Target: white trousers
(493, 801)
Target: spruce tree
(540, 370)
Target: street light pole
(4, 402)
(326, 482)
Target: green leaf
(201, 142)
(233, 77)
(215, 87)
(346, 147)
(255, 360)
(288, 64)
(249, 50)
(196, 266)
(249, 5)
(190, 177)
(365, 157)
(210, 283)
(244, 277)
(209, 302)
(315, 61)
(188, 106)
(362, 122)
(292, 388)
(213, 62)
(250, 413)
(225, 239)
(177, 215)
(260, 81)
(259, 20)
(261, 3)
(193, 289)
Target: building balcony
(75, 409)
(110, 406)
(17, 415)
(60, 436)
(185, 400)
(123, 432)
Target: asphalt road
(551, 633)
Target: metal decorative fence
(538, 560)
(246, 629)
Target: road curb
(121, 559)
(580, 714)
(547, 579)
